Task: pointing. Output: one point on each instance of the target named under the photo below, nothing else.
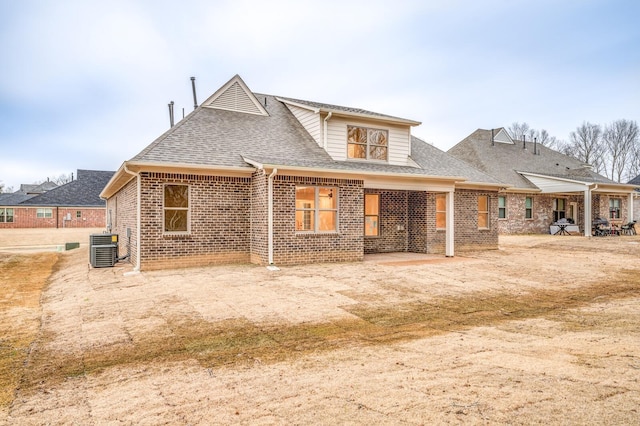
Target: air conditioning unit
(103, 250)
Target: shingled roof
(215, 137)
(507, 162)
(82, 192)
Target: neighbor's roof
(13, 198)
(505, 161)
(82, 192)
(635, 180)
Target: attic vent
(235, 99)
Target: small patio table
(562, 229)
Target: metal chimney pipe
(171, 114)
(492, 141)
(535, 146)
(524, 141)
(193, 87)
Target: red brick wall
(219, 216)
(467, 235)
(259, 226)
(291, 247)
(394, 223)
(26, 217)
(122, 209)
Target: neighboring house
(36, 188)
(636, 198)
(543, 185)
(73, 205)
(249, 177)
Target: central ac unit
(103, 250)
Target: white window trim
(316, 210)
(47, 213)
(367, 159)
(188, 209)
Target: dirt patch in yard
(544, 330)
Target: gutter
(326, 130)
(136, 268)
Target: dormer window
(366, 143)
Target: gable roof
(13, 198)
(36, 188)
(508, 162)
(212, 138)
(82, 192)
(235, 96)
(635, 180)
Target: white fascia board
(342, 113)
(555, 178)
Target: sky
(85, 84)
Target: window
(502, 207)
(371, 215)
(6, 215)
(614, 208)
(316, 209)
(78, 214)
(528, 208)
(441, 211)
(44, 213)
(367, 144)
(176, 208)
(483, 212)
(559, 208)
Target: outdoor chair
(629, 228)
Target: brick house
(249, 177)
(75, 204)
(543, 185)
(636, 198)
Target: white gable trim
(235, 95)
(503, 137)
(550, 184)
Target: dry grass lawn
(544, 330)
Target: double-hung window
(176, 209)
(441, 211)
(316, 209)
(366, 143)
(6, 215)
(614, 208)
(528, 208)
(502, 207)
(483, 212)
(371, 215)
(44, 213)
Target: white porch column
(630, 207)
(587, 212)
(450, 228)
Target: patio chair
(629, 228)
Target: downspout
(138, 217)
(270, 217)
(325, 142)
(588, 207)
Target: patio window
(502, 207)
(371, 215)
(316, 209)
(44, 213)
(367, 144)
(483, 212)
(614, 208)
(441, 211)
(559, 209)
(176, 209)
(528, 208)
(6, 215)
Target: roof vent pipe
(193, 87)
(524, 141)
(535, 146)
(171, 114)
(493, 142)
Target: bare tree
(620, 139)
(634, 163)
(585, 145)
(1, 187)
(517, 130)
